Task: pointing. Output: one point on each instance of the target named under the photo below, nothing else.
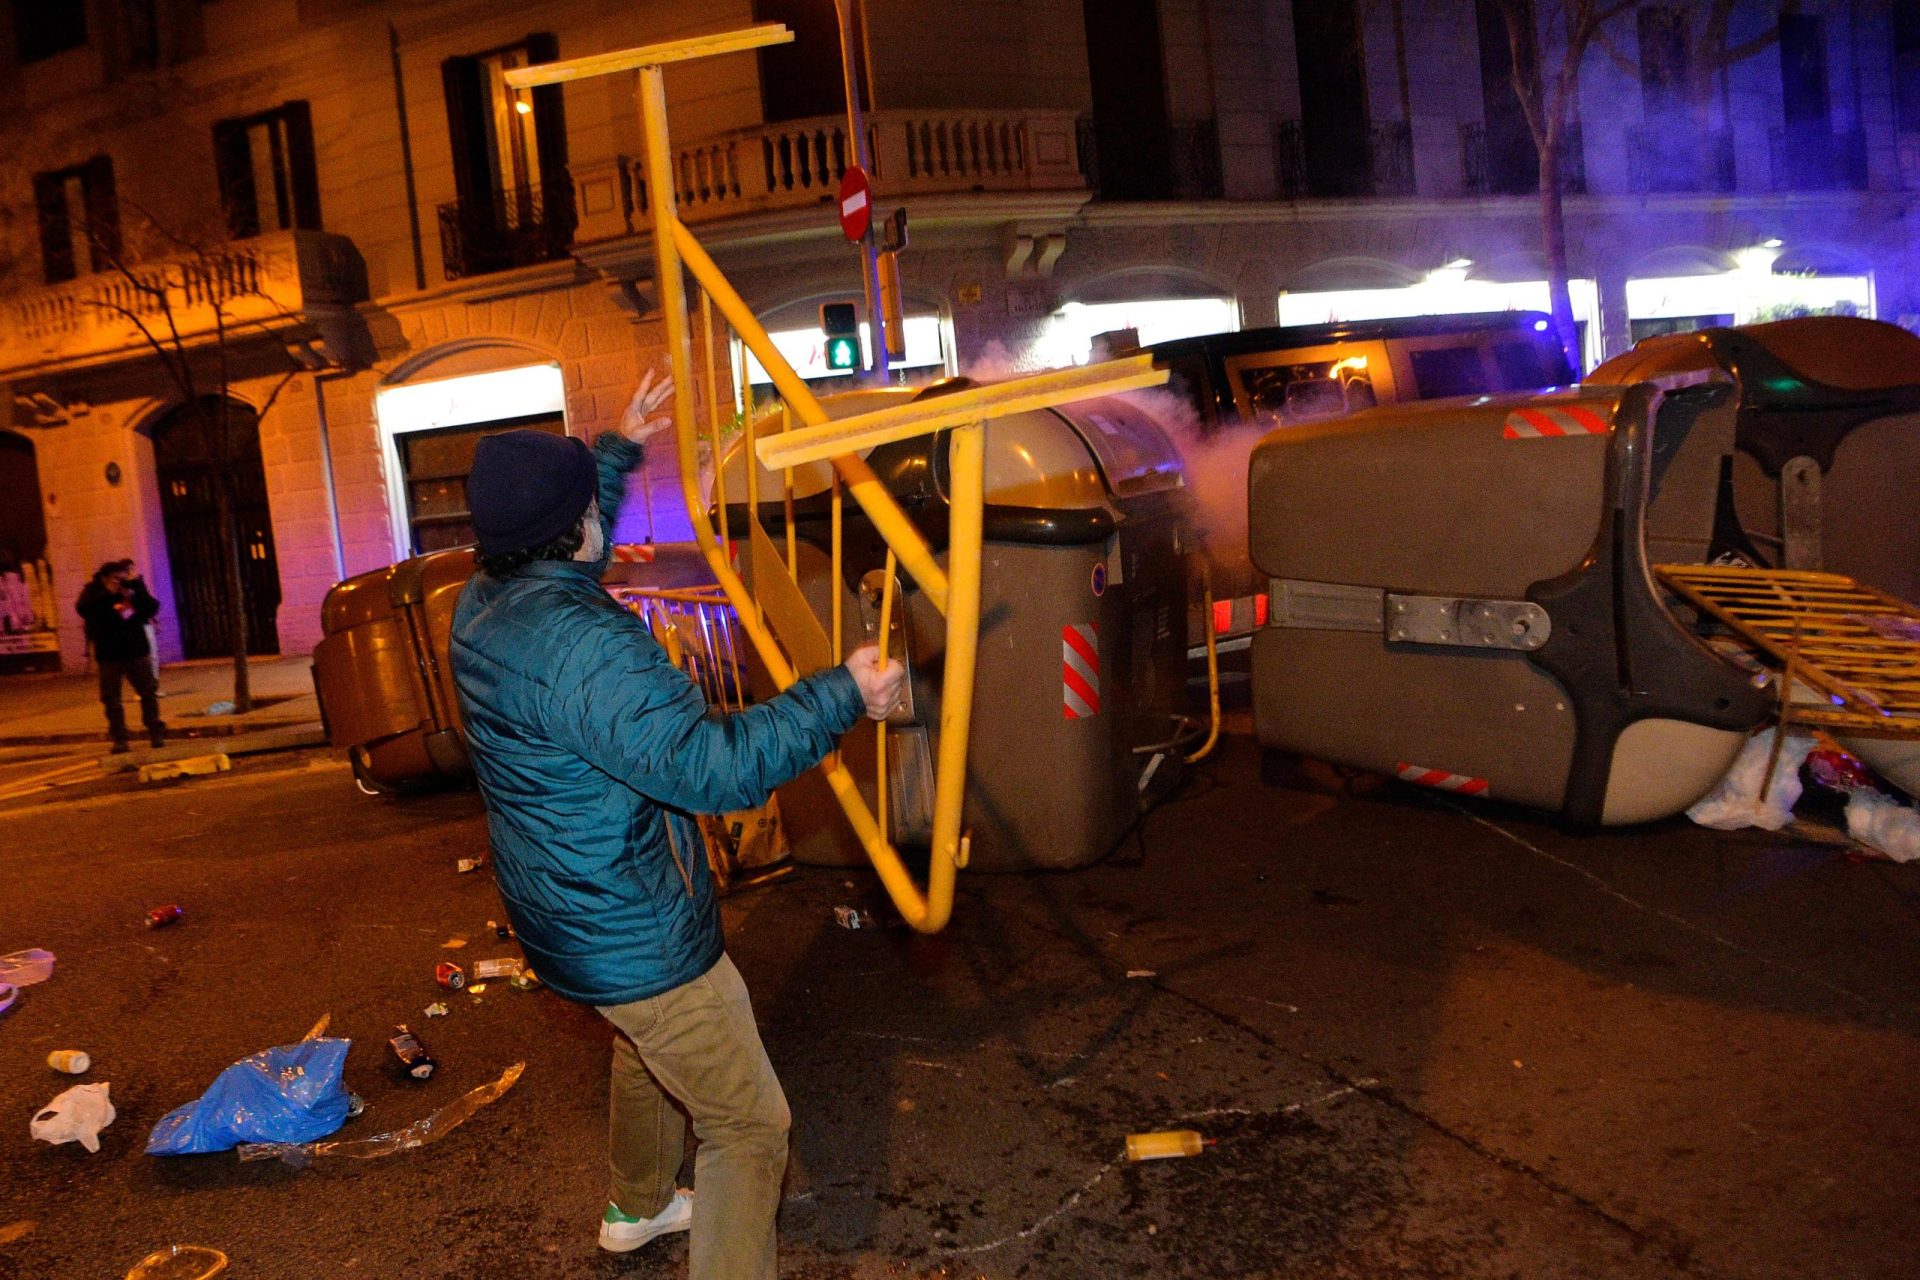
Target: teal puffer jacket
(592, 750)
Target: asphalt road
(1430, 1040)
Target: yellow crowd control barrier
(789, 640)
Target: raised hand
(642, 419)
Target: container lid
(1136, 453)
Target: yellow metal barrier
(953, 591)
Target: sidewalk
(44, 710)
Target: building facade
(304, 252)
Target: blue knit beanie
(527, 488)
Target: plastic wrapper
(1838, 771)
(290, 1093)
(1735, 800)
(78, 1115)
(24, 968)
(180, 1262)
(429, 1128)
(1884, 824)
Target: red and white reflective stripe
(1570, 420)
(1440, 779)
(1079, 671)
(633, 553)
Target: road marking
(1689, 925)
(69, 772)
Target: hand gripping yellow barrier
(955, 592)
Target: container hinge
(1324, 606)
(1464, 622)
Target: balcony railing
(1816, 159)
(1518, 174)
(1388, 168)
(798, 164)
(519, 227)
(1390, 158)
(240, 286)
(1290, 159)
(1179, 162)
(1673, 158)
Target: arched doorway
(29, 640)
(187, 459)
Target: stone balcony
(280, 280)
(797, 165)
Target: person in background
(593, 751)
(153, 636)
(116, 607)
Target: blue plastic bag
(290, 1093)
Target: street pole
(847, 11)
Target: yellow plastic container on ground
(1165, 1145)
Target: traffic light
(840, 321)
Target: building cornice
(1159, 213)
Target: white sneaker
(621, 1234)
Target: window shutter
(103, 212)
(550, 131)
(468, 127)
(56, 232)
(302, 173)
(233, 166)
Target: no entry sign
(856, 203)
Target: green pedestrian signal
(843, 353)
(840, 321)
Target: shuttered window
(79, 219)
(268, 181)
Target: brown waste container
(1082, 666)
(1461, 596)
(1818, 462)
(381, 671)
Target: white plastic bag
(78, 1115)
(1883, 823)
(1735, 800)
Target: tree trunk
(236, 596)
(1553, 233)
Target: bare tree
(206, 274)
(1548, 89)
(1704, 49)
(1547, 96)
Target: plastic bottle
(1166, 1144)
(73, 1062)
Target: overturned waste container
(1814, 461)
(1080, 690)
(381, 671)
(1461, 596)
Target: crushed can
(161, 917)
(414, 1058)
(450, 975)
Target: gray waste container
(1081, 671)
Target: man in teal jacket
(592, 752)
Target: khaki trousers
(698, 1043)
